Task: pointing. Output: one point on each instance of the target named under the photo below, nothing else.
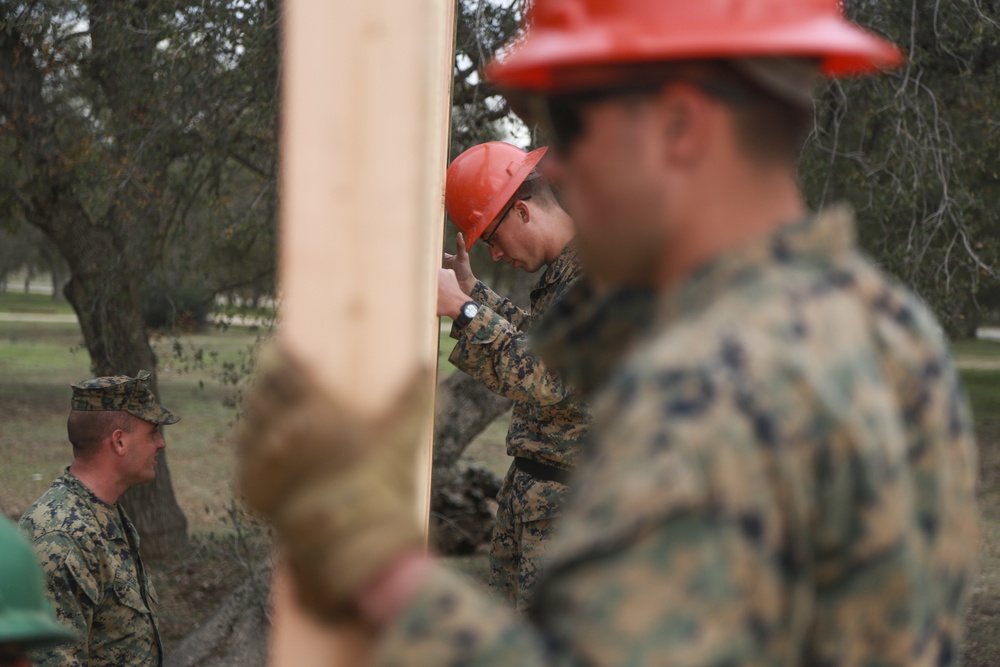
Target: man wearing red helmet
(494, 195)
(781, 468)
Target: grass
(986, 349)
(445, 345)
(39, 360)
(40, 304)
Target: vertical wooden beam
(366, 101)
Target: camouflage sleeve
(505, 308)
(495, 353)
(453, 623)
(498, 304)
(74, 592)
(654, 564)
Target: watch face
(470, 310)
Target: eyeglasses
(488, 240)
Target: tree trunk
(58, 271)
(463, 499)
(154, 510)
(465, 409)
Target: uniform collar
(586, 335)
(566, 263)
(110, 518)
(819, 238)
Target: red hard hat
(575, 34)
(481, 181)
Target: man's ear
(521, 207)
(118, 442)
(686, 117)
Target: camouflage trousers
(527, 514)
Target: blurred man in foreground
(783, 466)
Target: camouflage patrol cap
(121, 392)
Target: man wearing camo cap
(86, 543)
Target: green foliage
(154, 121)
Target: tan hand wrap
(339, 488)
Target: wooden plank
(366, 95)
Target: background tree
(916, 152)
(130, 126)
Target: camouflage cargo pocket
(130, 596)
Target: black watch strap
(466, 313)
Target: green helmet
(25, 612)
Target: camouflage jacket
(549, 421)
(783, 475)
(95, 578)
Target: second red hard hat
(481, 181)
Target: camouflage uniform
(547, 425)
(95, 578)
(89, 549)
(784, 475)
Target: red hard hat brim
(842, 48)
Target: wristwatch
(465, 315)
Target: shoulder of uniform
(60, 516)
(55, 546)
(59, 552)
(56, 549)
(571, 272)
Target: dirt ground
(192, 583)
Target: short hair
(538, 189)
(770, 129)
(89, 428)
